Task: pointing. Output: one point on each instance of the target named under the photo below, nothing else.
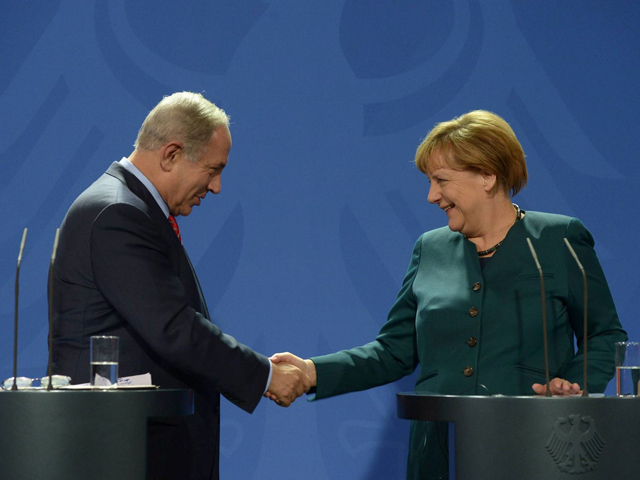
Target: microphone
(585, 389)
(544, 318)
(50, 292)
(15, 320)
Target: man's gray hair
(185, 117)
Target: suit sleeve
(391, 356)
(603, 324)
(132, 270)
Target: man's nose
(215, 185)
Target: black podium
(535, 437)
(81, 435)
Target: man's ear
(170, 153)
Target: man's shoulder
(110, 190)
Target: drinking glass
(627, 368)
(104, 361)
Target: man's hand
(307, 366)
(288, 382)
(558, 386)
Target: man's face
(192, 180)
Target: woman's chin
(454, 226)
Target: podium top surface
(148, 403)
(437, 407)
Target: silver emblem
(575, 444)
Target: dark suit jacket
(476, 331)
(121, 270)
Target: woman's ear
(489, 181)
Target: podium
(499, 437)
(80, 435)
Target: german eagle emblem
(575, 444)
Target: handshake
(292, 376)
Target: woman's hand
(307, 366)
(558, 386)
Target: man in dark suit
(122, 270)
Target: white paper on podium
(133, 382)
(143, 380)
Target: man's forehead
(223, 133)
(217, 151)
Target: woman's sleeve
(392, 355)
(603, 324)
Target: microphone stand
(544, 319)
(585, 389)
(15, 321)
(50, 292)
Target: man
(121, 270)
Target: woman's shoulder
(544, 224)
(439, 241)
(549, 220)
(442, 233)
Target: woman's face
(462, 195)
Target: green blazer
(479, 331)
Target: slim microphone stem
(585, 389)
(50, 292)
(547, 393)
(15, 321)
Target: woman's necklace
(486, 252)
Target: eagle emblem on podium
(575, 444)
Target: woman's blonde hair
(480, 141)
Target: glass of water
(104, 361)
(627, 368)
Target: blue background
(307, 245)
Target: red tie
(174, 225)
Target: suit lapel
(203, 304)
(179, 259)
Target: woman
(469, 310)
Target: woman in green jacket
(469, 310)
